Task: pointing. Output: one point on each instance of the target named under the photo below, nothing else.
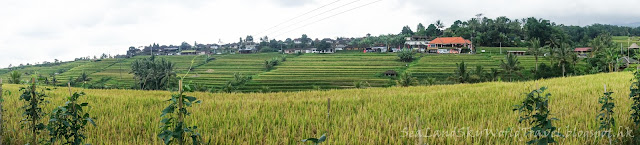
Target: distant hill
(635, 24)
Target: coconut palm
(562, 55)
(511, 67)
(536, 50)
(460, 75)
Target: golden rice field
(358, 116)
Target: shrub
(406, 80)
(406, 55)
(67, 122)
(535, 111)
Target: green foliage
(534, 110)
(34, 101)
(14, 77)
(460, 75)
(83, 78)
(173, 128)
(511, 67)
(152, 74)
(67, 123)
(270, 64)
(430, 81)
(635, 97)
(406, 80)
(238, 82)
(100, 84)
(563, 56)
(316, 141)
(478, 75)
(605, 118)
(406, 55)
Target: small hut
(391, 73)
(634, 46)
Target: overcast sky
(43, 30)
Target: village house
(458, 43)
(419, 43)
(583, 51)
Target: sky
(43, 30)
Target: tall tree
(406, 30)
(535, 50)
(562, 56)
(511, 67)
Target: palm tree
(511, 66)
(14, 77)
(406, 80)
(563, 56)
(460, 75)
(536, 50)
(611, 56)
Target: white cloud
(41, 30)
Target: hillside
(298, 73)
(358, 116)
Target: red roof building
(583, 49)
(456, 42)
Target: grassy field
(442, 66)
(305, 72)
(358, 116)
(45, 70)
(625, 41)
(328, 71)
(219, 71)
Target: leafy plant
(430, 81)
(535, 111)
(238, 82)
(14, 77)
(67, 123)
(460, 75)
(173, 126)
(635, 97)
(511, 67)
(152, 74)
(406, 80)
(605, 117)
(34, 100)
(406, 55)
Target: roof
(188, 51)
(515, 51)
(450, 40)
(634, 46)
(583, 49)
(627, 60)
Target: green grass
(45, 70)
(625, 41)
(219, 71)
(328, 71)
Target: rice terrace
(319, 72)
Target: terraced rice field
(328, 71)
(89, 68)
(442, 66)
(219, 71)
(44, 70)
(625, 41)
